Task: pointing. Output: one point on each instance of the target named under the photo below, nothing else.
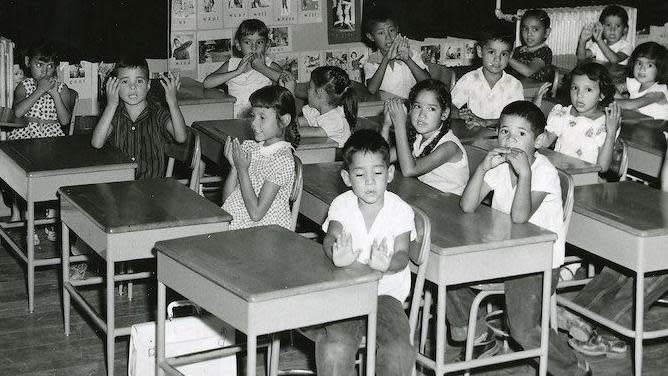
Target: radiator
(6, 72)
(567, 23)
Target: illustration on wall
(343, 21)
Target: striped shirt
(143, 140)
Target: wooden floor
(34, 344)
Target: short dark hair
(250, 27)
(528, 111)
(374, 16)
(652, 51)
(614, 10)
(495, 33)
(366, 141)
(599, 73)
(44, 51)
(130, 61)
(538, 14)
(283, 102)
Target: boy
(372, 226)
(138, 128)
(526, 186)
(605, 40)
(393, 67)
(480, 95)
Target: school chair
(418, 254)
(296, 194)
(74, 97)
(443, 74)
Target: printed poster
(288, 61)
(356, 57)
(183, 15)
(215, 48)
(261, 9)
(344, 21)
(453, 53)
(309, 11)
(337, 58)
(308, 61)
(210, 14)
(280, 39)
(184, 51)
(285, 12)
(430, 52)
(234, 12)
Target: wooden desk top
(53, 155)
(263, 263)
(190, 92)
(645, 135)
(628, 206)
(453, 231)
(566, 63)
(142, 205)
(458, 126)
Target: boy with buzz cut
(139, 128)
(480, 95)
(372, 226)
(526, 186)
(393, 67)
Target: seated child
(526, 186)
(533, 58)
(646, 86)
(393, 67)
(249, 69)
(480, 95)
(605, 40)
(372, 226)
(257, 189)
(427, 148)
(586, 129)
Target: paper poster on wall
(430, 52)
(308, 61)
(183, 15)
(280, 39)
(356, 57)
(343, 21)
(309, 11)
(337, 58)
(285, 12)
(288, 61)
(452, 53)
(215, 48)
(261, 10)
(184, 51)
(210, 14)
(234, 11)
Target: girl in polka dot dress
(41, 100)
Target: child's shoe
(78, 271)
(610, 346)
(50, 232)
(35, 239)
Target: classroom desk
(367, 104)
(121, 222)
(465, 133)
(564, 64)
(214, 132)
(198, 103)
(465, 248)
(625, 223)
(583, 173)
(646, 145)
(8, 122)
(36, 168)
(264, 280)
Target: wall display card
(184, 51)
(234, 11)
(344, 22)
(430, 52)
(309, 11)
(215, 48)
(210, 14)
(262, 10)
(356, 57)
(337, 58)
(308, 61)
(285, 12)
(183, 15)
(280, 39)
(452, 53)
(288, 61)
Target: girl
(428, 149)
(249, 69)
(605, 40)
(41, 99)
(332, 105)
(534, 58)
(257, 189)
(588, 127)
(646, 84)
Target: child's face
(516, 132)
(41, 67)
(533, 32)
(133, 85)
(315, 96)
(427, 115)
(266, 125)
(368, 176)
(613, 29)
(585, 94)
(383, 35)
(250, 44)
(644, 70)
(495, 56)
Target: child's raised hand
(403, 50)
(227, 151)
(47, 85)
(542, 90)
(239, 156)
(171, 84)
(658, 97)
(494, 158)
(392, 52)
(613, 118)
(245, 63)
(257, 60)
(342, 250)
(287, 80)
(111, 88)
(541, 141)
(398, 113)
(519, 160)
(381, 256)
(587, 32)
(597, 32)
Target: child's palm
(112, 90)
(342, 250)
(381, 256)
(171, 84)
(613, 117)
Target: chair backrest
(620, 152)
(74, 98)
(475, 155)
(418, 253)
(190, 153)
(296, 194)
(567, 188)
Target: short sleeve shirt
(486, 102)
(395, 218)
(577, 136)
(524, 56)
(398, 78)
(450, 176)
(655, 110)
(549, 215)
(143, 140)
(274, 163)
(333, 122)
(243, 85)
(621, 45)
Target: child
(258, 186)
(371, 226)
(646, 84)
(137, 127)
(427, 149)
(393, 67)
(534, 58)
(332, 105)
(480, 95)
(527, 187)
(605, 40)
(586, 129)
(42, 100)
(249, 69)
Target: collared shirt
(655, 110)
(484, 101)
(621, 45)
(333, 122)
(398, 78)
(451, 176)
(242, 86)
(144, 139)
(577, 136)
(526, 56)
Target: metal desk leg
(371, 341)
(440, 330)
(640, 327)
(30, 253)
(251, 354)
(160, 329)
(66, 276)
(110, 316)
(545, 322)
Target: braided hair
(282, 101)
(337, 85)
(442, 95)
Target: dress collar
(273, 148)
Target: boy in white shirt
(605, 40)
